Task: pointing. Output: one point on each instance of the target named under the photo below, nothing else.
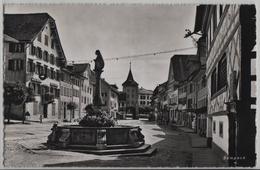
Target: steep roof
(184, 66)
(80, 68)
(145, 91)
(24, 27)
(130, 80)
(8, 38)
(114, 86)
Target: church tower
(130, 87)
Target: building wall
(131, 95)
(114, 105)
(13, 76)
(35, 108)
(221, 141)
(65, 98)
(76, 99)
(144, 99)
(226, 41)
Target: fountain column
(99, 65)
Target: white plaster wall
(222, 142)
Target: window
(221, 129)
(39, 38)
(57, 75)
(219, 76)
(46, 70)
(52, 60)
(61, 90)
(51, 90)
(222, 72)
(31, 66)
(52, 73)
(15, 65)
(46, 56)
(52, 43)
(214, 126)
(189, 103)
(38, 89)
(16, 47)
(11, 65)
(39, 52)
(38, 68)
(220, 10)
(191, 88)
(33, 50)
(213, 82)
(46, 40)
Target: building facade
(130, 87)
(230, 34)
(144, 97)
(109, 94)
(65, 95)
(38, 52)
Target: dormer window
(39, 38)
(52, 43)
(46, 40)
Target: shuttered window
(15, 65)
(222, 72)
(33, 50)
(16, 47)
(46, 56)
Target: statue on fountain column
(99, 65)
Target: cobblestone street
(175, 148)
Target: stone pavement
(202, 155)
(196, 140)
(24, 147)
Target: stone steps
(138, 144)
(144, 149)
(149, 152)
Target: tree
(16, 94)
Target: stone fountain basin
(75, 136)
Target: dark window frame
(221, 126)
(16, 47)
(222, 72)
(46, 40)
(214, 127)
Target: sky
(118, 31)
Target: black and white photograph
(129, 85)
